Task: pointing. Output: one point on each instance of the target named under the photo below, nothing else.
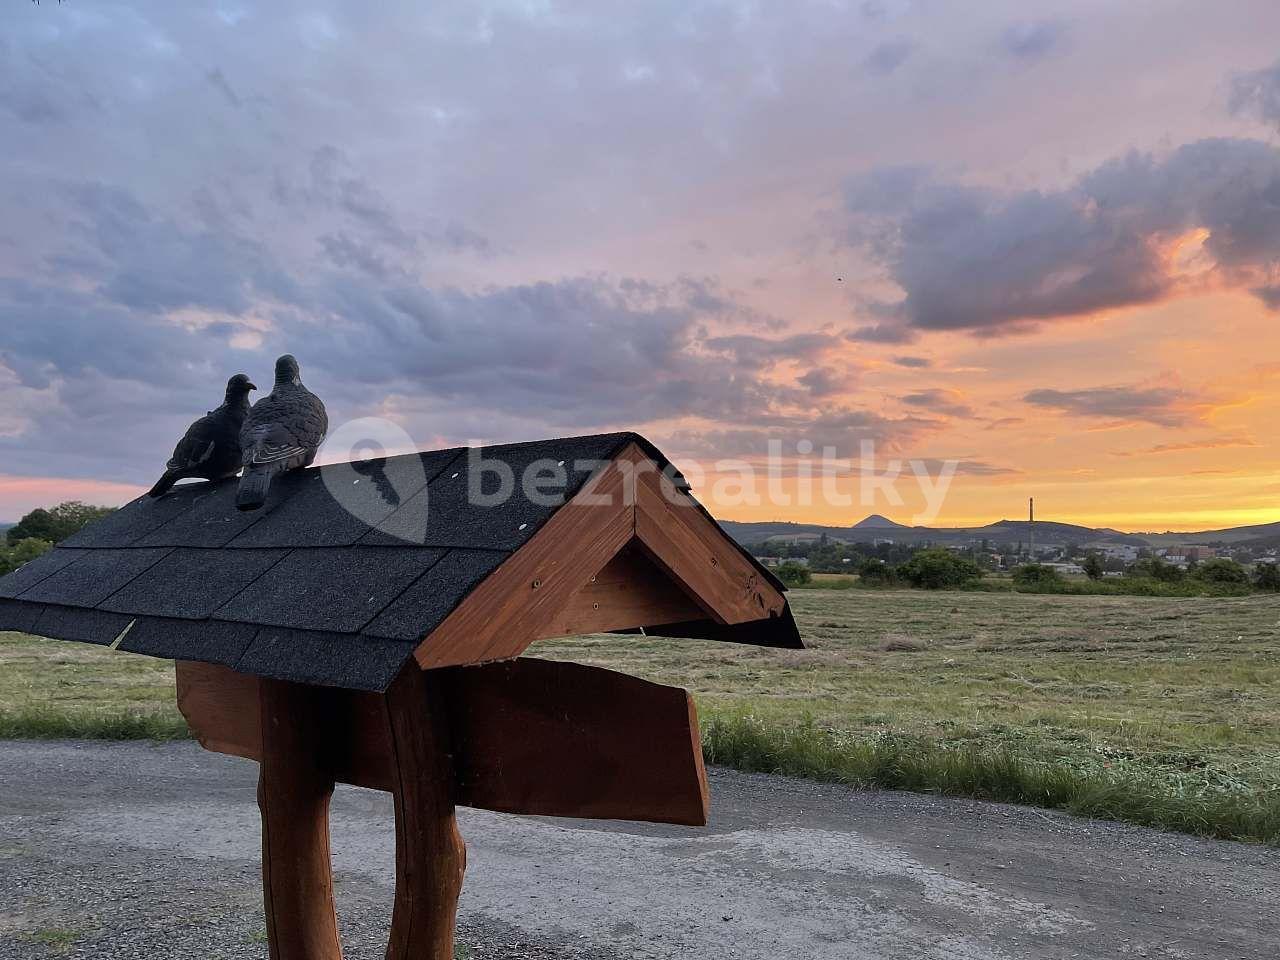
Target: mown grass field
(1162, 711)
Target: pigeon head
(287, 370)
(238, 387)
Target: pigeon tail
(252, 492)
(166, 482)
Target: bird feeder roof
(351, 569)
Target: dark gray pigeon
(210, 449)
(283, 432)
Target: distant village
(1001, 547)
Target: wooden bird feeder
(366, 627)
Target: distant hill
(1000, 533)
(877, 522)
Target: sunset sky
(1039, 239)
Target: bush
(877, 573)
(793, 574)
(23, 551)
(1221, 570)
(1037, 575)
(1266, 576)
(938, 569)
(1153, 568)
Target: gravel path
(150, 851)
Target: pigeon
(211, 447)
(283, 432)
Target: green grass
(58, 940)
(1155, 710)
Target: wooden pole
(293, 795)
(430, 854)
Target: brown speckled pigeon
(283, 432)
(210, 449)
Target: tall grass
(43, 722)
(1245, 812)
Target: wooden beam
(630, 591)
(622, 748)
(430, 855)
(293, 795)
(687, 545)
(513, 606)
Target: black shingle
(424, 605)
(330, 659)
(449, 514)
(94, 576)
(191, 584)
(78, 623)
(209, 641)
(336, 589)
(214, 521)
(340, 503)
(135, 520)
(19, 616)
(32, 572)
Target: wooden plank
(513, 606)
(430, 855)
(293, 795)
(629, 592)
(621, 747)
(566, 740)
(221, 708)
(689, 547)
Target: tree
(24, 551)
(937, 569)
(793, 574)
(55, 524)
(1093, 567)
(1221, 570)
(1266, 576)
(1036, 575)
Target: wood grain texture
(690, 548)
(293, 795)
(620, 747)
(512, 607)
(430, 855)
(629, 592)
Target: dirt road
(137, 850)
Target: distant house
(1066, 569)
(1185, 556)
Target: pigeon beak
(253, 386)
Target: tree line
(39, 530)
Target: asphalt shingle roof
(334, 581)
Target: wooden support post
(294, 787)
(430, 854)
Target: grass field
(1161, 711)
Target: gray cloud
(1032, 41)
(949, 403)
(989, 261)
(917, 363)
(1256, 94)
(889, 56)
(1162, 406)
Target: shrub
(22, 551)
(1037, 575)
(1221, 570)
(877, 573)
(937, 569)
(1266, 576)
(1154, 568)
(793, 574)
